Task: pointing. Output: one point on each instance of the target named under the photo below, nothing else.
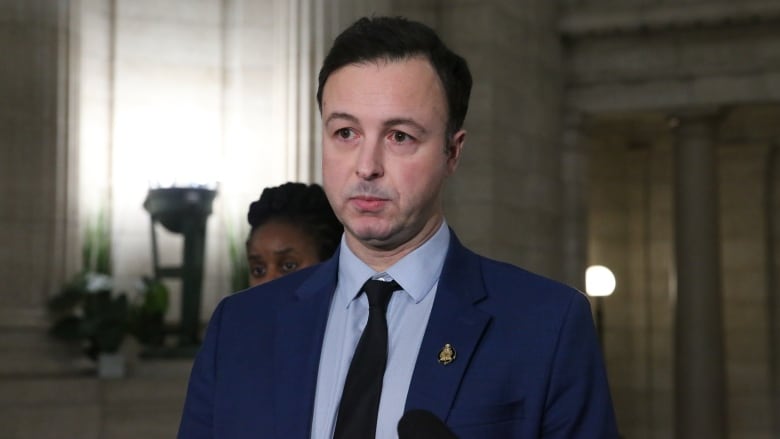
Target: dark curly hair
(303, 206)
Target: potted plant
(88, 312)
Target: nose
(369, 161)
(272, 275)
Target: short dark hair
(395, 39)
(303, 206)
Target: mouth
(367, 203)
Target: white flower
(97, 282)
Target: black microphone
(422, 424)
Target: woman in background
(293, 227)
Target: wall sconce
(184, 211)
(599, 283)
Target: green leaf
(239, 270)
(156, 297)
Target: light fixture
(599, 283)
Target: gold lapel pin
(447, 354)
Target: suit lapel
(455, 321)
(299, 329)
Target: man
(486, 348)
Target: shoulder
(515, 292)
(519, 281)
(505, 281)
(531, 309)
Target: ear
(454, 149)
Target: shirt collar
(416, 272)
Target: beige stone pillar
(700, 395)
(505, 199)
(34, 161)
(36, 177)
(574, 177)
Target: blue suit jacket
(528, 362)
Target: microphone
(422, 424)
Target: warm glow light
(599, 281)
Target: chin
(372, 233)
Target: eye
(400, 142)
(400, 137)
(289, 266)
(258, 271)
(345, 133)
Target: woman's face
(277, 248)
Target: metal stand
(599, 320)
(183, 211)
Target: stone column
(700, 395)
(574, 177)
(37, 209)
(505, 199)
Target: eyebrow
(405, 121)
(339, 115)
(283, 251)
(387, 124)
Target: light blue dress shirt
(407, 317)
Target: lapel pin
(447, 354)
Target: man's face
(384, 158)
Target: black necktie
(360, 400)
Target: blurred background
(640, 135)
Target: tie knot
(378, 292)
